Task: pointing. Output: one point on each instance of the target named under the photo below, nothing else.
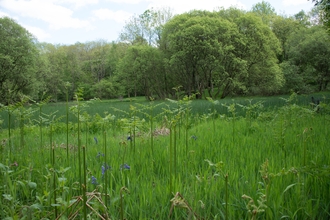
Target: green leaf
(32, 185)
(8, 197)
(289, 187)
(36, 206)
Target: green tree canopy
(309, 51)
(324, 7)
(18, 57)
(141, 72)
(223, 52)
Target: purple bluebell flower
(125, 167)
(96, 141)
(194, 137)
(94, 180)
(104, 168)
(99, 154)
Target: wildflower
(99, 154)
(94, 180)
(104, 168)
(125, 166)
(96, 141)
(129, 138)
(14, 164)
(194, 137)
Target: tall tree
(54, 76)
(141, 70)
(260, 50)
(18, 57)
(201, 53)
(146, 28)
(264, 10)
(310, 52)
(283, 27)
(324, 6)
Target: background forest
(226, 52)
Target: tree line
(226, 52)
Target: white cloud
(128, 1)
(3, 14)
(184, 6)
(294, 2)
(77, 3)
(56, 16)
(40, 34)
(107, 14)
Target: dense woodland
(226, 52)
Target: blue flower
(94, 180)
(104, 168)
(96, 141)
(125, 166)
(129, 138)
(194, 137)
(99, 154)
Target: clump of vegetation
(271, 163)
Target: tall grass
(233, 168)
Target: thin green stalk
(105, 167)
(175, 151)
(79, 148)
(186, 129)
(67, 125)
(51, 144)
(151, 132)
(85, 183)
(234, 119)
(9, 133)
(54, 180)
(40, 126)
(21, 129)
(86, 131)
(226, 191)
(170, 158)
(121, 204)
(134, 128)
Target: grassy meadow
(258, 158)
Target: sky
(71, 21)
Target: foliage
(263, 173)
(226, 52)
(324, 6)
(201, 50)
(309, 53)
(146, 28)
(141, 70)
(18, 58)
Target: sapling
(84, 187)
(50, 121)
(231, 108)
(9, 109)
(131, 124)
(77, 110)
(23, 114)
(149, 113)
(67, 85)
(41, 118)
(251, 111)
(186, 112)
(104, 122)
(213, 110)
